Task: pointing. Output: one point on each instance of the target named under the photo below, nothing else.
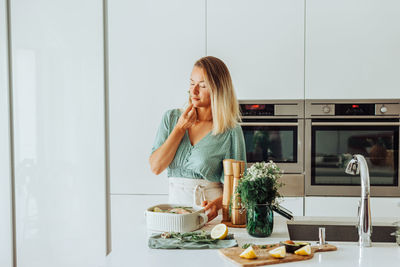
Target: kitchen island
(130, 249)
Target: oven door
(279, 141)
(331, 144)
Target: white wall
(262, 43)
(348, 206)
(58, 88)
(150, 65)
(5, 171)
(352, 49)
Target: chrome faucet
(358, 165)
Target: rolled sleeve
(163, 131)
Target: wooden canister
(236, 197)
(228, 168)
(225, 213)
(236, 166)
(238, 216)
(238, 213)
(242, 167)
(228, 187)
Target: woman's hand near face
(187, 119)
(163, 156)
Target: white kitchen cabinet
(152, 48)
(58, 89)
(294, 204)
(348, 206)
(331, 206)
(6, 246)
(385, 207)
(352, 49)
(262, 43)
(128, 212)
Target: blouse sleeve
(237, 149)
(163, 131)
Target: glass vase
(260, 220)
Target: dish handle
(203, 219)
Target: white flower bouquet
(260, 184)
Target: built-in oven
(274, 130)
(337, 129)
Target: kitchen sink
(339, 229)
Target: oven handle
(355, 123)
(269, 124)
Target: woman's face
(199, 92)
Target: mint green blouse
(204, 159)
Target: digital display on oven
(354, 109)
(255, 109)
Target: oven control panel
(272, 109)
(355, 109)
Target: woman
(192, 144)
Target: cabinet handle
(269, 124)
(355, 123)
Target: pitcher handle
(203, 219)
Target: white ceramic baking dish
(169, 222)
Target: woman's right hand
(163, 156)
(188, 118)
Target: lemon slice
(249, 253)
(157, 209)
(220, 231)
(306, 250)
(279, 252)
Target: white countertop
(132, 250)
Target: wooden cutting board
(263, 257)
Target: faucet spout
(358, 165)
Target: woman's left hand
(212, 207)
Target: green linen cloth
(204, 159)
(155, 241)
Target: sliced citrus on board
(304, 251)
(279, 252)
(220, 231)
(249, 253)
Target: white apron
(192, 192)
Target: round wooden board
(229, 224)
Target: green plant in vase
(258, 191)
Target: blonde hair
(224, 105)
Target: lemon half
(249, 253)
(304, 251)
(279, 252)
(220, 231)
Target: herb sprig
(197, 237)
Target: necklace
(198, 121)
